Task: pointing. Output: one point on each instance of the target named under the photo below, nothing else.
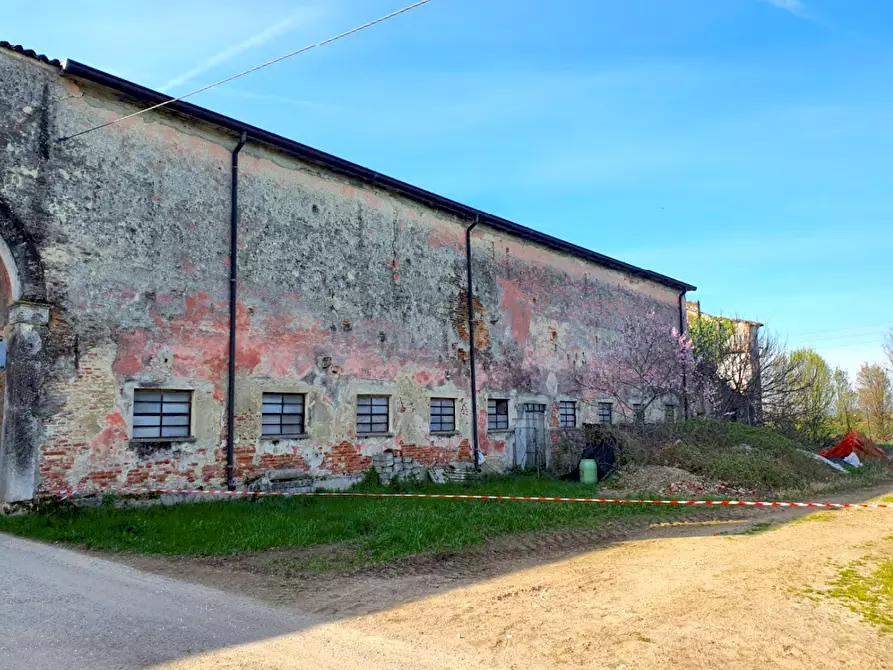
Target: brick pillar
(27, 365)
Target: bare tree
(752, 371)
(888, 348)
(876, 400)
(728, 353)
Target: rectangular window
(639, 413)
(283, 414)
(498, 415)
(605, 412)
(161, 414)
(443, 415)
(372, 414)
(669, 413)
(568, 414)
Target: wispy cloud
(795, 7)
(297, 20)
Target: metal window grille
(283, 414)
(669, 413)
(639, 413)
(498, 415)
(443, 415)
(605, 412)
(567, 414)
(372, 413)
(161, 414)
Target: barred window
(161, 414)
(283, 414)
(669, 413)
(372, 414)
(498, 415)
(567, 414)
(443, 415)
(639, 413)
(605, 412)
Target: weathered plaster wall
(23, 153)
(344, 290)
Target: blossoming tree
(642, 361)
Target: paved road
(62, 609)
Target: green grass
(376, 529)
(730, 434)
(758, 528)
(866, 587)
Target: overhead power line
(250, 70)
(843, 328)
(849, 345)
(879, 334)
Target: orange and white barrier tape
(462, 496)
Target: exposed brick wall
(430, 455)
(346, 458)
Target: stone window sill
(444, 433)
(286, 436)
(165, 440)
(375, 434)
(500, 431)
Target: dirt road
(681, 598)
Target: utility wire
(848, 345)
(249, 71)
(826, 338)
(844, 328)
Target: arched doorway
(24, 319)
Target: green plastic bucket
(588, 471)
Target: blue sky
(745, 146)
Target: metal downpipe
(471, 347)
(233, 294)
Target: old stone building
(741, 397)
(350, 317)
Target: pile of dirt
(675, 481)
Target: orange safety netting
(855, 442)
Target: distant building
(351, 302)
(742, 399)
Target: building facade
(350, 305)
(741, 396)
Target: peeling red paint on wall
(115, 431)
(516, 304)
(452, 237)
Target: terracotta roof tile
(30, 53)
